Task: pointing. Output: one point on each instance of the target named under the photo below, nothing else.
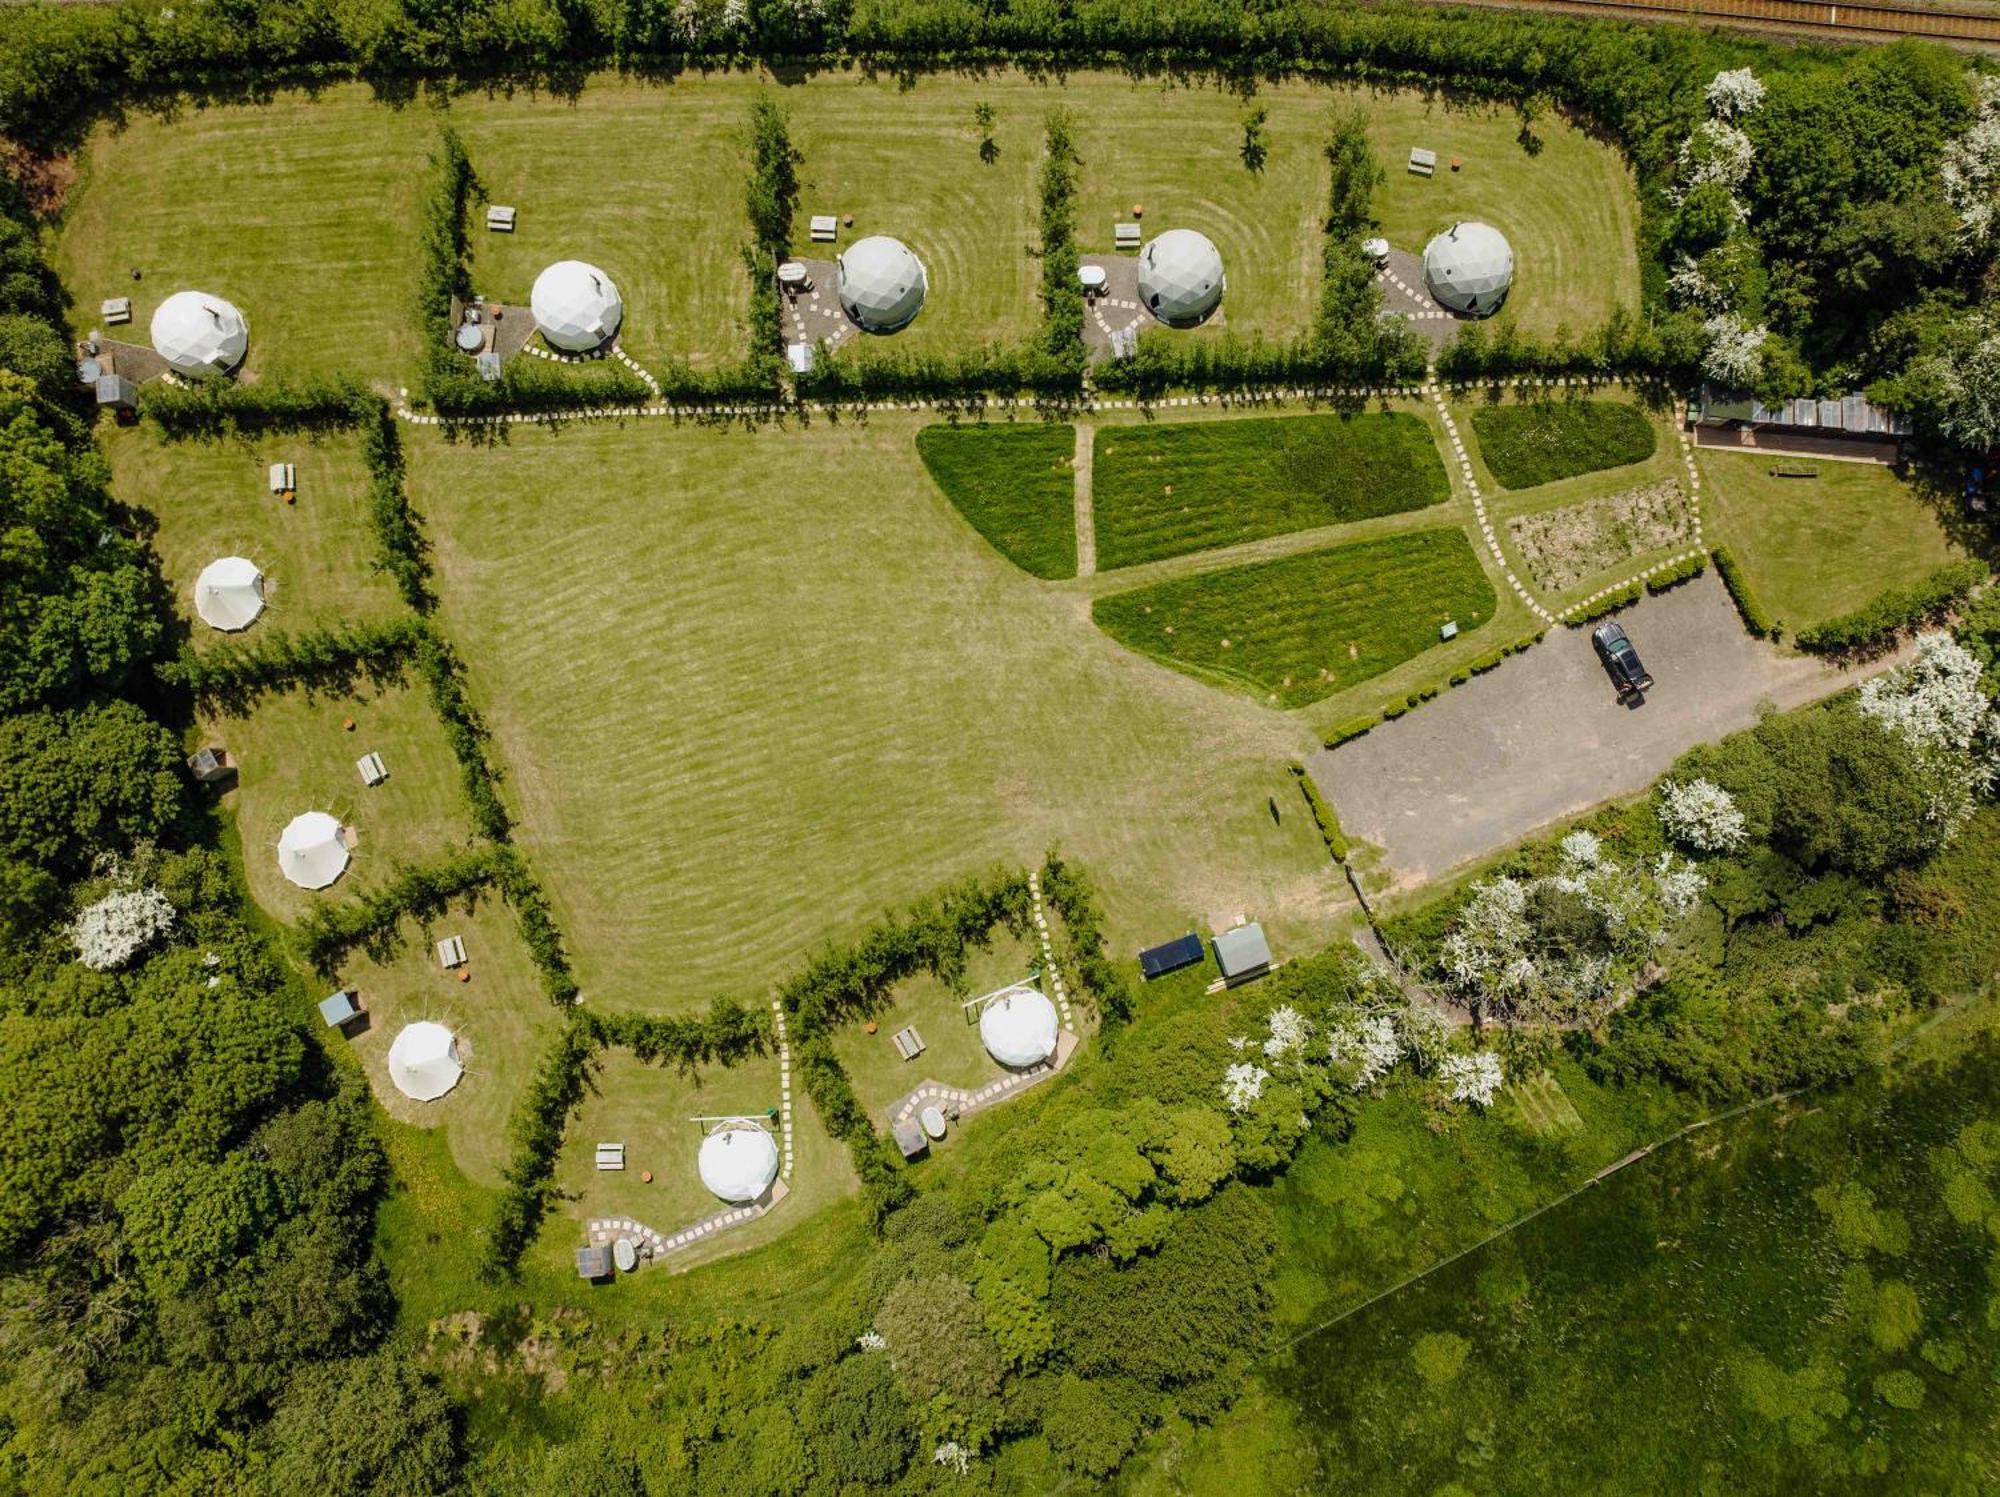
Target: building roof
(1170, 956)
(576, 305)
(738, 1162)
(337, 1008)
(1019, 1027)
(882, 283)
(593, 1261)
(1469, 267)
(909, 1135)
(199, 334)
(1242, 951)
(1853, 415)
(1180, 277)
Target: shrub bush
(1755, 619)
(1068, 891)
(1611, 602)
(1898, 608)
(235, 675)
(214, 408)
(1673, 576)
(536, 1133)
(1353, 727)
(1323, 814)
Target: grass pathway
(1086, 521)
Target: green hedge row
(1755, 619)
(1681, 571)
(536, 1131)
(1068, 891)
(1611, 602)
(464, 730)
(330, 931)
(214, 408)
(235, 675)
(1062, 292)
(884, 1184)
(1898, 608)
(400, 547)
(1324, 816)
(726, 1034)
(1479, 665)
(1229, 364)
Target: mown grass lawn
(295, 755)
(1165, 490)
(751, 687)
(1303, 627)
(1527, 443)
(1015, 485)
(213, 499)
(1815, 548)
(301, 210)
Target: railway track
(1861, 23)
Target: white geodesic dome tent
(423, 1061)
(1469, 267)
(738, 1162)
(882, 283)
(576, 306)
(229, 593)
(198, 334)
(311, 851)
(1019, 1027)
(1180, 277)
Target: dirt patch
(44, 180)
(1564, 546)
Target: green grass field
(745, 703)
(213, 499)
(1528, 443)
(300, 210)
(1815, 548)
(1303, 627)
(500, 1015)
(295, 756)
(1165, 490)
(303, 209)
(1015, 485)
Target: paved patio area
(1544, 736)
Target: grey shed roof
(337, 1008)
(909, 1137)
(593, 1262)
(1242, 951)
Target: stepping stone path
(606, 1230)
(613, 352)
(1098, 306)
(1479, 501)
(811, 317)
(1406, 301)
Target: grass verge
(1014, 485)
(1538, 442)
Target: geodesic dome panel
(1469, 267)
(200, 335)
(738, 1162)
(576, 306)
(882, 283)
(1019, 1028)
(1180, 277)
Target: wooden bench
(373, 770)
(909, 1044)
(1125, 236)
(611, 1156)
(1423, 163)
(825, 228)
(500, 220)
(1794, 470)
(451, 952)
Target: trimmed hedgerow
(400, 547)
(1755, 619)
(1062, 292)
(1681, 571)
(536, 1130)
(235, 675)
(1611, 602)
(1324, 816)
(329, 932)
(1898, 608)
(1534, 442)
(213, 408)
(1068, 891)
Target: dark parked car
(1628, 672)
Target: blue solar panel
(1157, 961)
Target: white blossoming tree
(1717, 152)
(110, 932)
(1700, 814)
(1365, 1049)
(1690, 286)
(1289, 1033)
(1734, 93)
(1242, 1085)
(1561, 947)
(953, 1456)
(1936, 707)
(1735, 355)
(872, 1341)
(1970, 168)
(1475, 1078)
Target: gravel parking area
(1544, 736)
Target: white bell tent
(229, 593)
(200, 335)
(882, 283)
(1018, 1027)
(738, 1161)
(576, 306)
(1180, 277)
(423, 1061)
(311, 851)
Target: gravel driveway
(1544, 736)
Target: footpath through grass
(1303, 627)
(1015, 485)
(1537, 442)
(1163, 491)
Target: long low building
(1850, 415)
